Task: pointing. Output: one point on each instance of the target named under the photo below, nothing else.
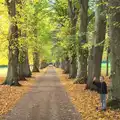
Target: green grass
(103, 68)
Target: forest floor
(10, 95)
(53, 99)
(86, 101)
(47, 100)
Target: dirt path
(47, 100)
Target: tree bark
(97, 52)
(57, 64)
(73, 67)
(115, 47)
(62, 64)
(66, 65)
(43, 64)
(36, 60)
(73, 14)
(82, 54)
(90, 68)
(12, 74)
(24, 67)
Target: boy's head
(101, 78)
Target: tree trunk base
(11, 84)
(35, 70)
(28, 76)
(71, 76)
(79, 81)
(23, 79)
(114, 104)
(65, 72)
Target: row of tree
(29, 33)
(79, 30)
(85, 29)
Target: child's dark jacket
(102, 87)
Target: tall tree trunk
(66, 67)
(97, 52)
(62, 64)
(82, 53)
(90, 68)
(73, 61)
(73, 67)
(36, 51)
(24, 67)
(73, 13)
(115, 47)
(43, 64)
(36, 60)
(12, 74)
(57, 64)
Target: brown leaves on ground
(9, 95)
(86, 101)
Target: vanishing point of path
(47, 100)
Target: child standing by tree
(102, 89)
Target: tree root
(11, 84)
(23, 79)
(71, 77)
(35, 71)
(65, 72)
(114, 104)
(79, 81)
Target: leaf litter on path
(9, 95)
(86, 101)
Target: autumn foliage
(86, 101)
(10, 95)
